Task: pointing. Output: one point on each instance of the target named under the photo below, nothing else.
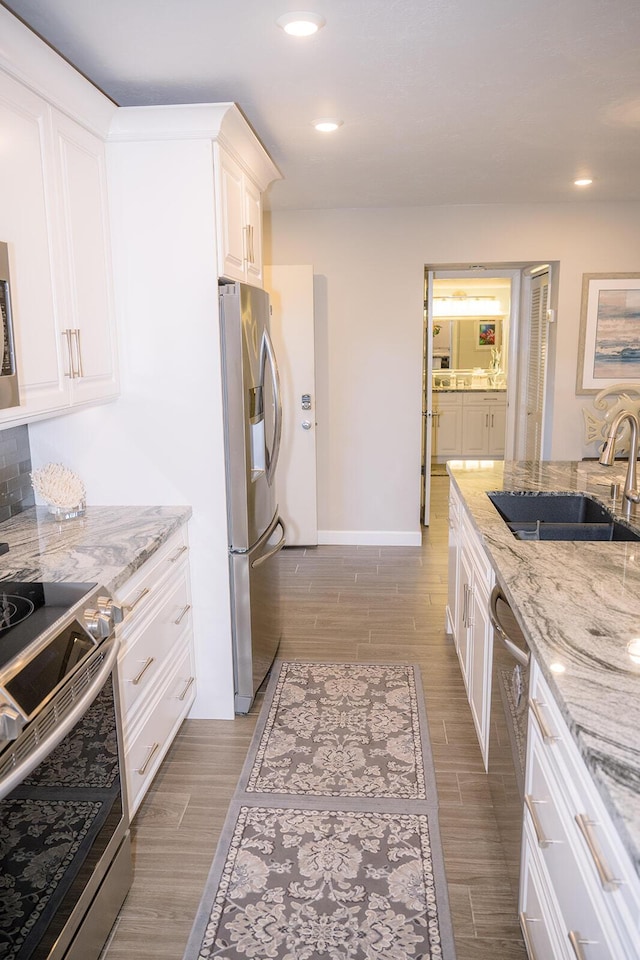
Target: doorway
(486, 345)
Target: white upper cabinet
(53, 216)
(85, 269)
(26, 197)
(239, 221)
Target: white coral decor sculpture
(58, 486)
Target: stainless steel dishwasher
(508, 730)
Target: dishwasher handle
(514, 649)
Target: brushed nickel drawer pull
(190, 681)
(607, 878)
(130, 607)
(545, 729)
(530, 803)
(178, 554)
(576, 942)
(524, 920)
(136, 680)
(152, 752)
(185, 611)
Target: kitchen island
(578, 604)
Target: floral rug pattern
(331, 847)
(307, 884)
(342, 730)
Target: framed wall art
(609, 344)
(486, 334)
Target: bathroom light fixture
(300, 24)
(583, 182)
(327, 124)
(460, 305)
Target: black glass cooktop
(28, 609)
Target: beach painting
(609, 331)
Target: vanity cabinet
(579, 890)
(484, 417)
(239, 221)
(468, 424)
(53, 216)
(156, 671)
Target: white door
(427, 402)
(292, 331)
(536, 368)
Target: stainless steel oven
(508, 730)
(65, 859)
(9, 396)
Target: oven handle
(18, 773)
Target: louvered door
(537, 367)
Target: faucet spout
(609, 449)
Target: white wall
(369, 265)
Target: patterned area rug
(331, 848)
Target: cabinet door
(447, 434)
(26, 192)
(87, 297)
(475, 430)
(480, 660)
(230, 220)
(497, 428)
(253, 231)
(463, 599)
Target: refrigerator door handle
(267, 352)
(279, 545)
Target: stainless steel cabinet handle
(486, 419)
(252, 256)
(76, 336)
(152, 752)
(547, 735)
(177, 554)
(606, 875)
(245, 244)
(526, 936)
(67, 335)
(576, 942)
(188, 686)
(470, 606)
(129, 607)
(543, 840)
(183, 614)
(464, 605)
(491, 419)
(136, 680)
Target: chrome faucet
(606, 457)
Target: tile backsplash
(16, 492)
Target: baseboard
(371, 538)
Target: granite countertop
(106, 545)
(578, 605)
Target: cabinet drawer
(141, 591)
(583, 916)
(150, 742)
(537, 920)
(144, 658)
(607, 864)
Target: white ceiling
(443, 101)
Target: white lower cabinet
(156, 662)
(591, 890)
(468, 424)
(473, 633)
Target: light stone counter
(578, 605)
(106, 545)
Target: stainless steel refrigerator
(253, 425)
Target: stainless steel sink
(559, 516)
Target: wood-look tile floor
(342, 604)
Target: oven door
(64, 845)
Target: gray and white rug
(331, 849)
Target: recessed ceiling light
(583, 182)
(327, 124)
(300, 24)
